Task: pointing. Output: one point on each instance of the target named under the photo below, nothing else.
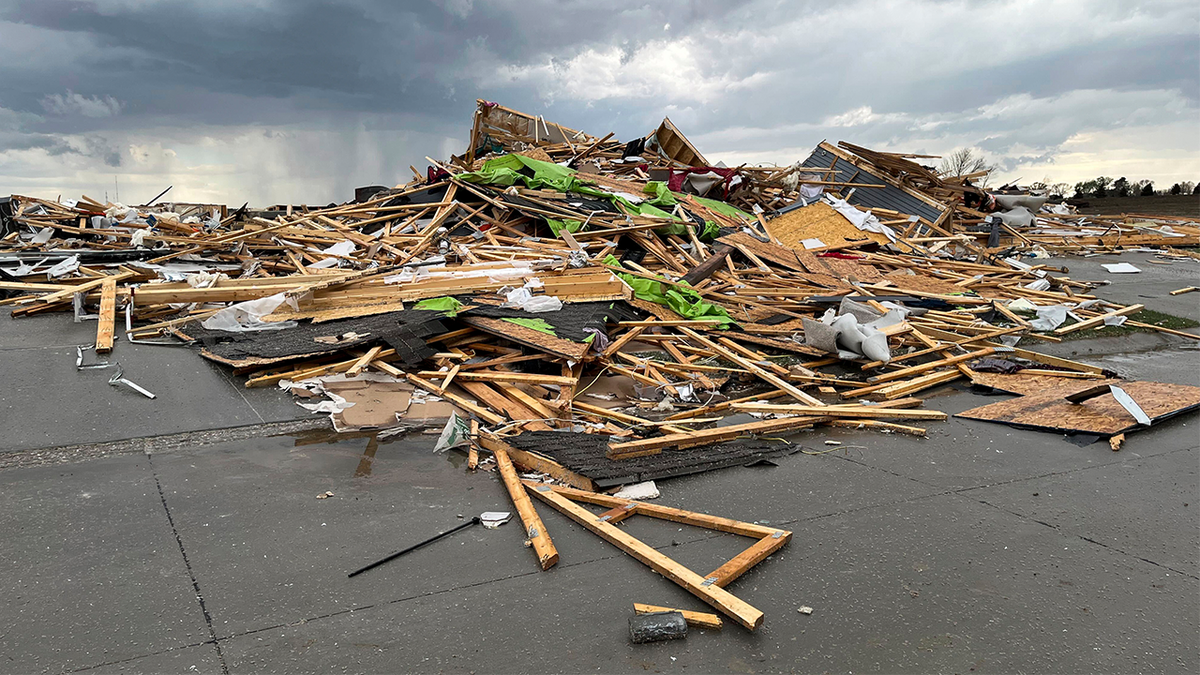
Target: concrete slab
(267, 552)
(91, 571)
(937, 584)
(200, 659)
(1148, 505)
(1151, 287)
(50, 403)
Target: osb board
(660, 312)
(575, 351)
(1102, 415)
(827, 281)
(848, 269)
(633, 187)
(1024, 384)
(535, 153)
(776, 254)
(820, 221)
(922, 283)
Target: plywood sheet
(921, 283)
(820, 221)
(1025, 384)
(574, 351)
(1102, 415)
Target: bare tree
(1060, 189)
(964, 161)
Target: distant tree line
(1103, 186)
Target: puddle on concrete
(413, 452)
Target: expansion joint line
(212, 633)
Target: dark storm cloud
(370, 86)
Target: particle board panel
(1101, 415)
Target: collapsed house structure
(597, 310)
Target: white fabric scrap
(335, 405)
(864, 221)
(1121, 268)
(524, 298)
(65, 267)
(639, 491)
(247, 316)
(1115, 320)
(493, 519)
(1049, 318)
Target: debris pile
(595, 308)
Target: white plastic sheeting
(247, 316)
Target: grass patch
(1145, 316)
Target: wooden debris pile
(548, 281)
(702, 299)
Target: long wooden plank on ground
(654, 446)
(714, 595)
(697, 619)
(534, 528)
(1099, 320)
(108, 316)
(531, 461)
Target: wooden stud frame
(711, 587)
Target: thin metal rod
(397, 554)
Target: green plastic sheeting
(662, 196)
(511, 169)
(445, 304)
(506, 170)
(680, 299)
(539, 325)
(567, 224)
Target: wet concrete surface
(979, 549)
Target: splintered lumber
(518, 411)
(876, 424)
(932, 365)
(108, 316)
(701, 587)
(770, 377)
(483, 413)
(843, 411)
(1021, 353)
(654, 446)
(1099, 320)
(622, 417)
(534, 528)
(531, 461)
(697, 619)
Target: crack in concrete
(212, 633)
(961, 493)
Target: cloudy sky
(302, 100)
